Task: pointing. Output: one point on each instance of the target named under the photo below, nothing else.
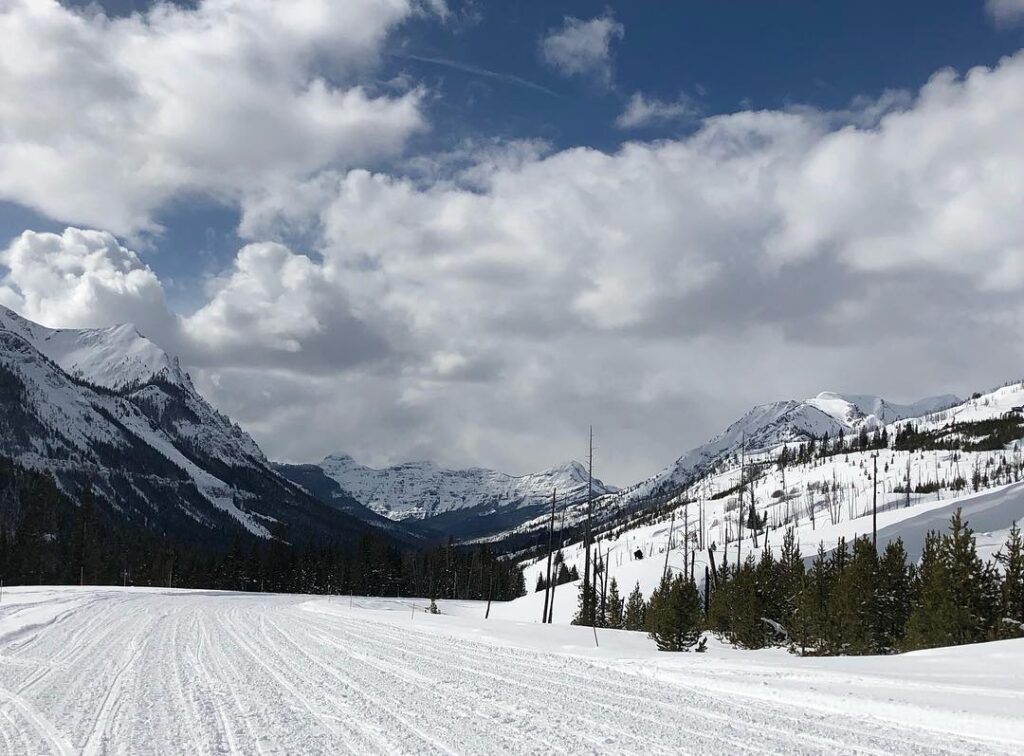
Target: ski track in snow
(111, 671)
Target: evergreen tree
(674, 614)
(614, 610)
(957, 596)
(635, 614)
(893, 597)
(810, 627)
(586, 603)
(853, 605)
(1012, 560)
(790, 575)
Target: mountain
(470, 502)
(109, 408)
(767, 426)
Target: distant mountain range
(470, 502)
(109, 408)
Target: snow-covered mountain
(770, 425)
(460, 501)
(968, 456)
(110, 408)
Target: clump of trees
(850, 601)
(49, 538)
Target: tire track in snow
(237, 673)
(758, 715)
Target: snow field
(157, 671)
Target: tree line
(850, 601)
(48, 538)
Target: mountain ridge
(423, 490)
(147, 443)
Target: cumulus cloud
(487, 315)
(273, 308)
(276, 308)
(81, 278)
(642, 110)
(1006, 11)
(106, 119)
(582, 48)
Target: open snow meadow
(129, 671)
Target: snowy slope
(823, 500)
(160, 671)
(422, 490)
(114, 358)
(768, 426)
(135, 429)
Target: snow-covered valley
(106, 670)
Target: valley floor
(160, 671)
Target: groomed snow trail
(108, 671)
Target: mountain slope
(135, 429)
(770, 425)
(969, 456)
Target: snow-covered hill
(970, 455)
(768, 426)
(471, 501)
(109, 408)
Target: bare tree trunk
(707, 591)
(874, 509)
(547, 582)
(668, 546)
(490, 590)
(739, 518)
(588, 610)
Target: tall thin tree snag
(589, 610)
(561, 531)
(739, 516)
(874, 509)
(668, 546)
(551, 535)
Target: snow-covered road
(135, 671)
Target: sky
(466, 231)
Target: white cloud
(106, 119)
(275, 308)
(655, 291)
(81, 278)
(582, 47)
(936, 186)
(1006, 11)
(644, 111)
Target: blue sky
(465, 230)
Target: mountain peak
(113, 357)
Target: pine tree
(853, 608)
(790, 574)
(635, 614)
(926, 627)
(894, 593)
(613, 611)
(674, 614)
(586, 602)
(957, 596)
(810, 627)
(973, 585)
(1012, 560)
